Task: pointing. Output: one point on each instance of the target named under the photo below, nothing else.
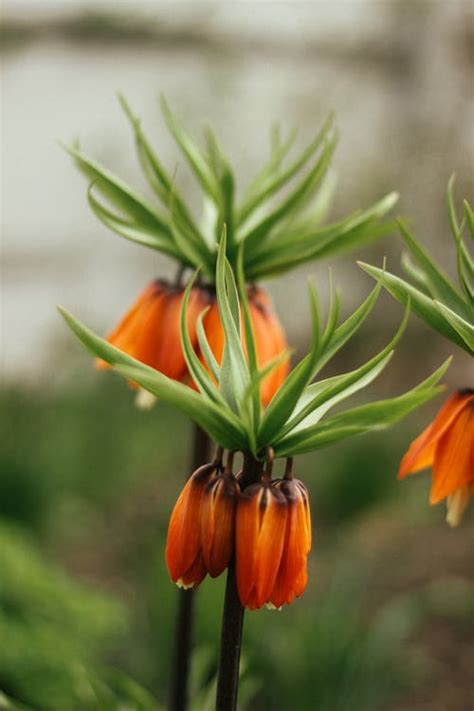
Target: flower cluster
(150, 332)
(265, 526)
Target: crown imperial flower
(260, 536)
(218, 522)
(184, 556)
(292, 573)
(447, 446)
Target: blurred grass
(87, 483)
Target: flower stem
(231, 640)
(233, 617)
(184, 620)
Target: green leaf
(193, 155)
(284, 401)
(260, 232)
(216, 421)
(462, 327)
(157, 175)
(365, 418)
(120, 194)
(278, 151)
(439, 285)
(423, 306)
(254, 392)
(288, 250)
(318, 399)
(469, 216)
(415, 275)
(347, 329)
(275, 182)
(198, 372)
(234, 371)
(131, 231)
(206, 351)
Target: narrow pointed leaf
(133, 232)
(461, 326)
(373, 416)
(284, 401)
(193, 155)
(440, 286)
(213, 419)
(206, 351)
(120, 194)
(422, 305)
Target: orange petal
(269, 545)
(453, 466)
(247, 528)
(128, 334)
(291, 577)
(183, 545)
(422, 450)
(218, 523)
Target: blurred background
(87, 482)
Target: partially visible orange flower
(150, 331)
(292, 573)
(184, 555)
(447, 446)
(260, 535)
(270, 340)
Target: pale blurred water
(396, 76)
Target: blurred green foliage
(87, 483)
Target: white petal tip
(144, 400)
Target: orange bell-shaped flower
(184, 555)
(260, 536)
(447, 446)
(150, 330)
(218, 522)
(292, 575)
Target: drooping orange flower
(292, 573)
(150, 331)
(218, 522)
(447, 446)
(184, 555)
(260, 535)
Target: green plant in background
(446, 445)
(446, 307)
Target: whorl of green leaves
(279, 233)
(445, 306)
(227, 406)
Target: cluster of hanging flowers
(150, 331)
(265, 526)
